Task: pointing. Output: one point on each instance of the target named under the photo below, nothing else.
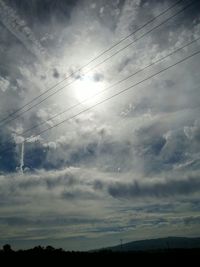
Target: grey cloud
(49, 183)
(156, 208)
(38, 180)
(46, 220)
(4, 84)
(36, 11)
(160, 149)
(79, 193)
(56, 73)
(98, 185)
(156, 189)
(192, 220)
(13, 221)
(19, 28)
(98, 77)
(124, 63)
(68, 195)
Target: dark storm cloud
(155, 189)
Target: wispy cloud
(20, 29)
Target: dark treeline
(166, 256)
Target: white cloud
(4, 84)
(144, 142)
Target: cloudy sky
(127, 168)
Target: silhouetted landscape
(167, 243)
(145, 251)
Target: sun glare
(86, 89)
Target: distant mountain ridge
(159, 243)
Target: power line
(124, 90)
(113, 85)
(105, 100)
(134, 41)
(51, 88)
(138, 29)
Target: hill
(158, 244)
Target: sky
(127, 168)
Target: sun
(88, 89)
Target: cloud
(19, 28)
(98, 77)
(4, 84)
(133, 161)
(192, 220)
(55, 73)
(164, 188)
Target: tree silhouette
(7, 248)
(50, 248)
